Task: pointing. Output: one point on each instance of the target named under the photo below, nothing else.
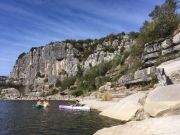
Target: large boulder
(10, 93)
(96, 104)
(126, 109)
(163, 100)
(157, 126)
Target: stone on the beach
(126, 109)
(163, 100)
(154, 126)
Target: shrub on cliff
(66, 83)
(96, 76)
(21, 55)
(92, 79)
(133, 35)
(77, 93)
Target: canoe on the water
(37, 106)
(45, 105)
(71, 107)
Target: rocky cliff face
(161, 50)
(50, 62)
(41, 67)
(154, 53)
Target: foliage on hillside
(88, 46)
(95, 77)
(164, 20)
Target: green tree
(164, 20)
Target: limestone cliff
(42, 67)
(51, 62)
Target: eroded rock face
(97, 58)
(56, 61)
(163, 100)
(140, 76)
(10, 93)
(126, 109)
(164, 48)
(46, 62)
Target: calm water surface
(19, 118)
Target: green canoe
(37, 106)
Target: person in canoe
(45, 103)
(39, 102)
(76, 103)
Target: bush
(54, 91)
(21, 55)
(77, 93)
(58, 83)
(67, 82)
(108, 49)
(94, 77)
(133, 35)
(99, 81)
(80, 71)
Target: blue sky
(28, 23)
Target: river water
(19, 118)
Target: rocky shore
(156, 112)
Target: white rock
(11, 93)
(171, 66)
(126, 109)
(157, 126)
(97, 58)
(163, 99)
